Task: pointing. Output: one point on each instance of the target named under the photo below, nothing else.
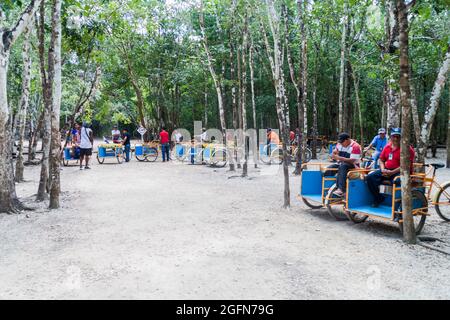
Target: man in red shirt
(165, 145)
(389, 166)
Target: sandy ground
(171, 231)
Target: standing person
(165, 145)
(115, 133)
(348, 156)
(389, 167)
(272, 138)
(126, 142)
(86, 143)
(378, 142)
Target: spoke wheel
(419, 220)
(335, 206)
(265, 157)
(219, 158)
(442, 201)
(356, 217)
(277, 156)
(151, 154)
(312, 205)
(100, 160)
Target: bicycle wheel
(419, 219)
(100, 160)
(150, 154)
(356, 217)
(119, 155)
(219, 158)
(334, 205)
(442, 202)
(265, 156)
(277, 156)
(308, 155)
(312, 205)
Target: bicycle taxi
(69, 156)
(147, 151)
(110, 150)
(317, 189)
(317, 192)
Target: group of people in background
(81, 139)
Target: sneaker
(338, 193)
(81, 168)
(87, 167)
(397, 217)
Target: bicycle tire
(419, 220)
(442, 198)
(331, 204)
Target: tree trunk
(343, 67)
(276, 67)
(448, 134)
(47, 88)
(409, 234)
(391, 46)
(24, 100)
(55, 188)
(8, 197)
(432, 108)
(244, 94)
(358, 103)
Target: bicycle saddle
(437, 165)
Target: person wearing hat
(389, 166)
(378, 142)
(348, 156)
(115, 133)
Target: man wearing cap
(389, 166)
(379, 142)
(348, 155)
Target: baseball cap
(396, 132)
(381, 130)
(343, 136)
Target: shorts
(85, 152)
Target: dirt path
(154, 230)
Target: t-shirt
(126, 135)
(115, 134)
(292, 135)
(164, 137)
(85, 141)
(379, 143)
(273, 137)
(75, 136)
(391, 157)
(352, 151)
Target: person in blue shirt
(378, 142)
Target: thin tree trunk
(244, 94)
(24, 101)
(432, 108)
(358, 103)
(47, 87)
(55, 188)
(8, 197)
(448, 134)
(276, 67)
(409, 234)
(343, 67)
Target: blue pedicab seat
(315, 186)
(68, 156)
(359, 201)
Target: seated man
(389, 166)
(116, 136)
(378, 142)
(348, 156)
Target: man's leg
(127, 152)
(374, 180)
(81, 159)
(87, 161)
(168, 151)
(163, 150)
(342, 176)
(329, 173)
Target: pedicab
(195, 152)
(359, 200)
(317, 189)
(68, 156)
(110, 150)
(146, 152)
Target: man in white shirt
(115, 133)
(87, 139)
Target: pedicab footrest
(382, 211)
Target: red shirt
(391, 158)
(164, 137)
(292, 135)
